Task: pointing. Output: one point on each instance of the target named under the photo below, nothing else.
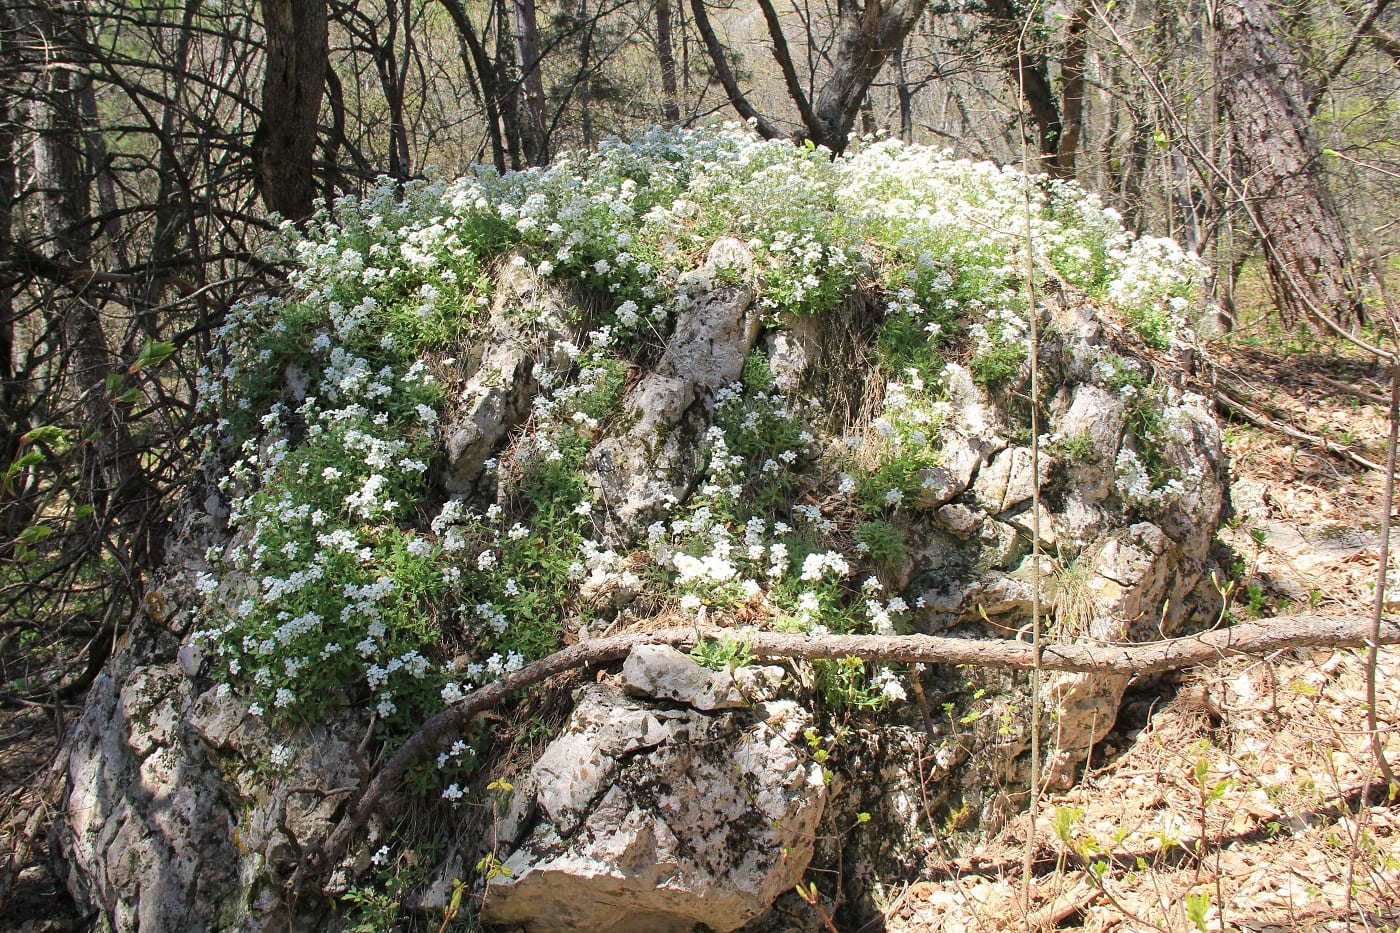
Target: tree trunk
(527, 46)
(1029, 70)
(486, 74)
(1072, 92)
(16, 509)
(869, 36)
(1305, 247)
(585, 73)
(293, 82)
(666, 55)
(509, 100)
(906, 98)
(111, 477)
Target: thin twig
(1378, 608)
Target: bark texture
(295, 79)
(527, 46)
(1305, 247)
(868, 35)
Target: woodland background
(149, 149)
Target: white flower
(890, 687)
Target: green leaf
(152, 354)
(25, 461)
(34, 534)
(1160, 139)
(48, 434)
(130, 395)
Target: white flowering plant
(898, 453)
(350, 576)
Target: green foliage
(1080, 447)
(880, 542)
(997, 364)
(723, 653)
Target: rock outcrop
(677, 797)
(661, 807)
(650, 456)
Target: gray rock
(1007, 481)
(1097, 414)
(759, 684)
(1025, 523)
(961, 520)
(663, 673)
(661, 820)
(1131, 568)
(498, 395)
(970, 439)
(652, 456)
(148, 826)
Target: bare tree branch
(1135, 659)
(726, 75)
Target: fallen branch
(1260, 420)
(1136, 659)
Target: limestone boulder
(652, 814)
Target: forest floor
(1237, 797)
(1241, 796)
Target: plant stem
(1378, 609)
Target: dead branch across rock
(1007, 654)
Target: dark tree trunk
(293, 83)
(585, 73)
(1029, 70)
(906, 97)
(486, 73)
(527, 47)
(509, 100)
(869, 36)
(666, 55)
(16, 507)
(111, 478)
(174, 215)
(1305, 247)
(392, 76)
(1072, 92)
